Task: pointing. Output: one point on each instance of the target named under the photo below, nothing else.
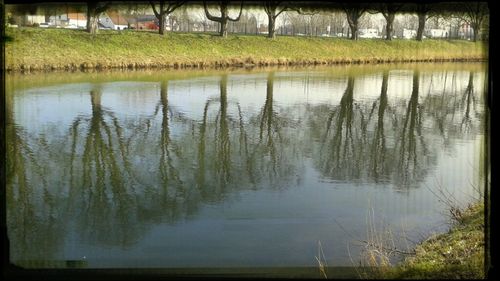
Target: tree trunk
(475, 29)
(271, 27)
(162, 24)
(92, 24)
(92, 17)
(354, 31)
(421, 26)
(223, 27)
(389, 27)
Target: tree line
(475, 14)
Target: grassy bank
(458, 254)
(49, 49)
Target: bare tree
(475, 14)
(389, 10)
(423, 10)
(94, 10)
(353, 13)
(273, 10)
(224, 16)
(165, 9)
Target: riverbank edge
(230, 63)
(34, 49)
(456, 254)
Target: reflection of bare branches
(104, 172)
(467, 98)
(169, 174)
(26, 184)
(379, 149)
(200, 171)
(250, 165)
(408, 166)
(223, 144)
(267, 121)
(268, 160)
(340, 155)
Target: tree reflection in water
(185, 163)
(102, 184)
(409, 148)
(468, 98)
(342, 143)
(219, 148)
(34, 212)
(379, 162)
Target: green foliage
(36, 48)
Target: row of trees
(475, 14)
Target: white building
(32, 19)
(438, 33)
(409, 33)
(113, 20)
(78, 19)
(369, 33)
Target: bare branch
(282, 10)
(173, 6)
(208, 15)
(154, 9)
(239, 15)
(103, 8)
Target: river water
(241, 168)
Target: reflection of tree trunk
(378, 147)
(200, 174)
(408, 149)
(469, 95)
(222, 162)
(167, 169)
(337, 155)
(267, 121)
(105, 169)
(346, 110)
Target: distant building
(77, 19)
(263, 29)
(409, 33)
(59, 20)
(438, 33)
(146, 22)
(114, 20)
(28, 20)
(71, 17)
(368, 33)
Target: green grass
(37, 48)
(458, 254)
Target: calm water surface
(242, 168)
